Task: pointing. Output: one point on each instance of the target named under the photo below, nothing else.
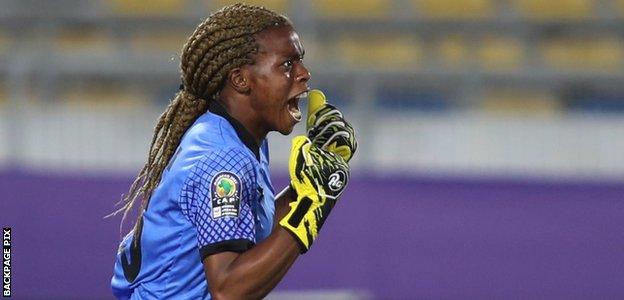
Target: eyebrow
(297, 55)
(293, 55)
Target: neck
(244, 115)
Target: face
(278, 79)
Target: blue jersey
(215, 196)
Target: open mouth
(293, 106)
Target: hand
(318, 177)
(327, 128)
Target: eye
(288, 64)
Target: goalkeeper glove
(327, 128)
(318, 177)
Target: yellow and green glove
(318, 177)
(327, 128)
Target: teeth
(293, 108)
(294, 111)
(296, 115)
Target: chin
(287, 130)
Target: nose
(303, 75)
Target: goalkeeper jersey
(215, 196)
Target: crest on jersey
(225, 195)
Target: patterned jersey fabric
(214, 196)
(197, 204)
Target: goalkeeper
(209, 225)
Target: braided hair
(224, 41)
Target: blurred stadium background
(491, 159)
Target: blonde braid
(224, 41)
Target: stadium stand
(500, 54)
(84, 40)
(554, 10)
(380, 52)
(455, 9)
(586, 98)
(618, 7)
(104, 95)
(597, 54)
(453, 51)
(515, 101)
(277, 5)
(158, 41)
(352, 9)
(153, 8)
(3, 94)
(402, 98)
(5, 42)
(516, 42)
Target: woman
(210, 225)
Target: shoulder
(211, 146)
(231, 163)
(227, 158)
(218, 173)
(207, 132)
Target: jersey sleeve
(217, 198)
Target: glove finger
(333, 124)
(327, 112)
(323, 125)
(341, 142)
(330, 130)
(299, 156)
(320, 113)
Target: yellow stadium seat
(618, 6)
(148, 8)
(84, 40)
(168, 41)
(594, 54)
(521, 102)
(280, 6)
(4, 96)
(5, 42)
(453, 51)
(383, 53)
(352, 9)
(546, 10)
(500, 54)
(455, 9)
(104, 96)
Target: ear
(238, 79)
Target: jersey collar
(242, 132)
